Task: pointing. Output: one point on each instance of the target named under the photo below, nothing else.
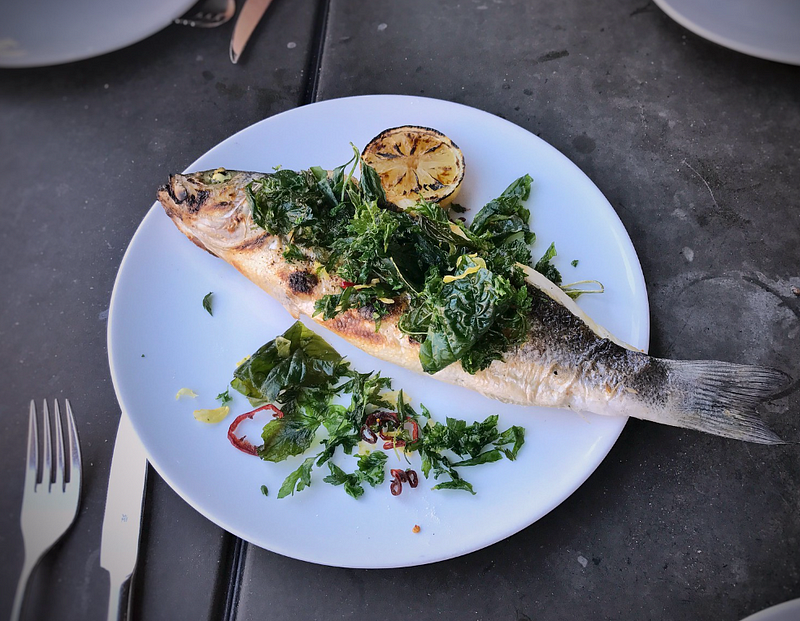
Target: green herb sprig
(459, 289)
(307, 379)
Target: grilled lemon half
(416, 163)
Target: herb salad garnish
(458, 289)
(304, 384)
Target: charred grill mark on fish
(196, 200)
(257, 241)
(350, 325)
(180, 194)
(302, 281)
(392, 310)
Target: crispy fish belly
(566, 361)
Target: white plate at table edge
(786, 611)
(104, 28)
(729, 34)
(160, 340)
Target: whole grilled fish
(567, 361)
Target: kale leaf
(290, 369)
(291, 434)
(460, 310)
(506, 217)
(546, 268)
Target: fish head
(211, 207)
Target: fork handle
(22, 587)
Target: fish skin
(563, 363)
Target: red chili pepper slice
(399, 475)
(368, 435)
(396, 487)
(414, 429)
(394, 443)
(413, 479)
(347, 283)
(241, 443)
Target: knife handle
(118, 598)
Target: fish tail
(721, 398)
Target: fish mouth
(183, 193)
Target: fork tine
(74, 447)
(47, 448)
(60, 474)
(32, 472)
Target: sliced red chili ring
(394, 444)
(347, 283)
(368, 435)
(414, 429)
(398, 474)
(396, 487)
(382, 417)
(242, 443)
(413, 479)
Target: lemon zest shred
(479, 265)
(215, 415)
(185, 392)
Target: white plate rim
(778, 612)
(602, 448)
(70, 54)
(710, 30)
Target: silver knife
(122, 522)
(246, 23)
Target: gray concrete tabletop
(694, 145)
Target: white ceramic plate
(766, 29)
(38, 33)
(787, 611)
(160, 340)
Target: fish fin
(721, 398)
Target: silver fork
(208, 14)
(52, 490)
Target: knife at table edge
(122, 521)
(251, 13)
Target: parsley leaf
(371, 468)
(207, 302)
(304, 374)
(351, 482)
(298, 480)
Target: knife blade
(122, 521)
(251, 13)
